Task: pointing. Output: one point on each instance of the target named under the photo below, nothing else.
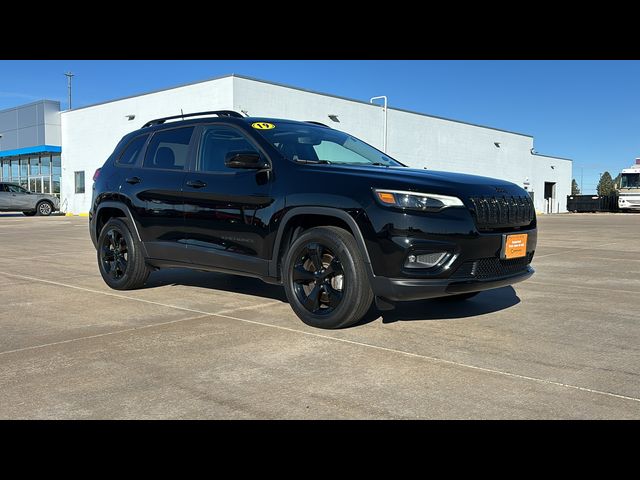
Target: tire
(336, 295)
(44, 208)
(120, 258)
(29, 214)
(460, 296)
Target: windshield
(315, 144)
(630, 180)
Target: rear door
(153, 186)
(227, 210)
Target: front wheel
(120, 258)
(325, 279)
(44, 209)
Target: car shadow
(215, 281)
(446, 308)
(433, 309)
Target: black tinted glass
(168, 149)
(132, 152)
(217, 142)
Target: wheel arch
(308, 217)
(110, 209)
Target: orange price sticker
(515, 246)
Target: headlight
(426, 202)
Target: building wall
(90, 134)
(30, 125)
(417, 140)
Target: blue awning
(29, 150)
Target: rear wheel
(120, 257)
(325, 279)
(44, 208)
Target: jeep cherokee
(337, 222)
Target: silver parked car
(14, 198)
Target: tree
(616, 181)
(605, 185)
(575, 190)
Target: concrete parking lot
(565, 344)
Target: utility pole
(384, 138)
(69, 75)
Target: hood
(426, 181)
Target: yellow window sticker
(263, 125)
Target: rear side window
(168, 149)
(132, 152)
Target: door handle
(133, 180)
(196, 183)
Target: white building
(89, 135)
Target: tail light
(96, 175)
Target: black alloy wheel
(325, 278)
(120, 258)
(114, 254)
(318, 279)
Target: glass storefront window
(46, 186)
(56, 186)
(45, 164)
(24, 183)
(15, 169)
(33, 166)
(57, 166)
(5, 170)
(24, 167)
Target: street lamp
(384, 139)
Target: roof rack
(317, 123)
(220, 113)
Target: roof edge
(35, 102)
(552, 156)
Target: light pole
(69, 75)
(384, 139)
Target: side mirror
(246, 160)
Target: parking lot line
(77, 339)
(591, 247)
(319, 335)
(571, 286)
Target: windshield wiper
(301, 160)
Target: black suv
(336, 221)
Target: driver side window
(216, 143)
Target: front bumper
(405, 289)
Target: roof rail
(220, 113)
(317, 123)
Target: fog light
(425, 260)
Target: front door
(227, 210)
(19, 198)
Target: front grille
(488, 268)
(496, 212)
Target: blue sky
(584, 110)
